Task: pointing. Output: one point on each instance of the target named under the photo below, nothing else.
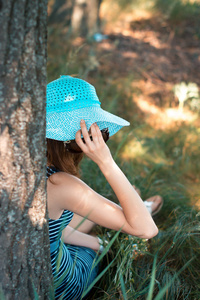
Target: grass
(158, 161)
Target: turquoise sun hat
(68, 101)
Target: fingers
(99, 134)
(94, 134)
(92, 143)
(80, 142)
(89, 144)
(85, 132)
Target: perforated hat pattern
(68, 93)
(68, 101)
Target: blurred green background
(143, 57)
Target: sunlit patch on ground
(163, 118)
(117, 21)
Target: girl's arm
(74, 237)
(73, 194)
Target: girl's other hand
(96, 149)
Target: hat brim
(62, 126)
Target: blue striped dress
(72, 266)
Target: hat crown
(67, 93)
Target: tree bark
(25, 267)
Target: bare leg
(155, 202)
(86, 225)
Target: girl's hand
(97, 150)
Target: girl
(77, 125)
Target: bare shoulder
(67, 190)
(60, 179)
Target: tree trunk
(25, 267)
(93, 20)
(85, 17)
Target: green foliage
(179, 10)
(36, 297)
(2, 297)
(158, 270)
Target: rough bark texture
(24, 246)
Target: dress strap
(51, 170)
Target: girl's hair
(62, 159)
